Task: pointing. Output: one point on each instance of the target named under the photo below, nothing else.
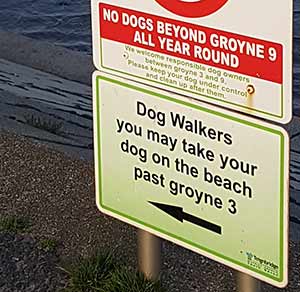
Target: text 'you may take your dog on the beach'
(210, 167)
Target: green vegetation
(14, 224)
(48, 244)
(44, 124)
(90, 274)
(124, 280)
(101, 273)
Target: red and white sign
(194, 8)
(219, 51)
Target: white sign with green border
(210, 180)
(225, 52)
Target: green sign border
(209, 111)
(189, 91)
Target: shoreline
(66, 63)
(47, 57)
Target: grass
(14, 224)
(90, 274)
(102, 273)
(48, 244)
(124, 280)
(44, 124)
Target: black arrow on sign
(177, 213)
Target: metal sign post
(246, 283)
(149, 254)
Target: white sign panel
(232, 53)
(210, 180)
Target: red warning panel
(237, 53)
